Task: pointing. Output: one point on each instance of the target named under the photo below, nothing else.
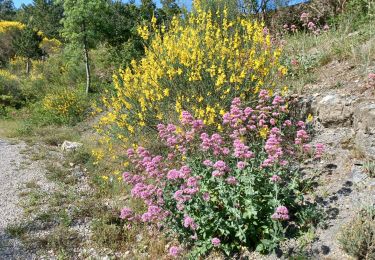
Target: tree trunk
(27, 66)
(87, 63)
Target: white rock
(70, 146)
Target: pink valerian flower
(206, 196)
(241, 150)
(173, 174)
(215, 242)
(189, 223)
(306, 148)
(326, 27)
(304, 17)
(127, 213)
(281, 213)
(208, 163)
(286, 27)
(186, 118)
(241, 165)
(311, 26)
(154, 213)
(301, 137)
(185, 172)
(231, 180)
(215, 143)
(220, 166)
(217, 173)
(287, 123)
(275, 178)
(273, 147)
(319, 150)
(175, 251)
(192, 182)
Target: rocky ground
(345, 122)
(16, 171)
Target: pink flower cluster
(281, 213)
(167, 184)
(307, 22)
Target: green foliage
(358, 237)
(44, 16)
(10, 92)
(84, 21)
(27, 45)
(7, 10)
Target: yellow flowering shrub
(9, 25)
(50, 46)
(200, 64)
(65, 105)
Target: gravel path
(15, 171)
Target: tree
(170, 8)
(44, 16)
(7, 10)
(84, 23)
(27, 46)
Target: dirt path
(16, 170)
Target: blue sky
(187, 3)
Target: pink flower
(275, 178)
(220, 166)
(174, 251)
(241, 165)
(311, 26)
(206, 196)
(326, 27)
(126, 213)
(189, 223)
(173, 174)
(215, 241)
(208, 163)
(231, 180)
(319, 149)
(281, 213)
(217, 173)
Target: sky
(187, 3)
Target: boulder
(334, 110)
(70, 146)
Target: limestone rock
(70, 146)
(334, 110)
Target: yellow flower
(263, 132)
(310, 118)
(105, 178)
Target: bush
(200, 63)
(10, 91)
(358, 237)
(63, 106)
(226, 190)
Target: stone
(364, 117)
(334, 110)
(358, 175)
(70, 146)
